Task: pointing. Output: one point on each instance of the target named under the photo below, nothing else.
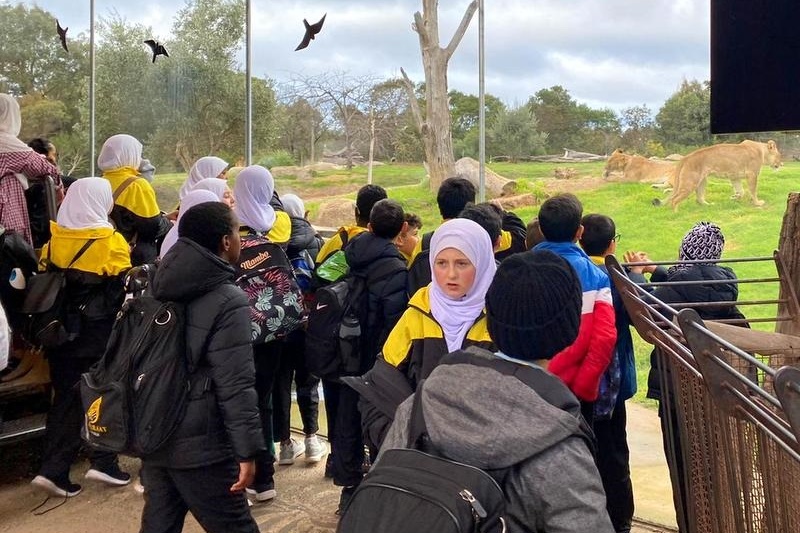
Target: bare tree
(344, 96)
(434, 125)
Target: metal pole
(248, 121)
(481, 109)
(92, 157)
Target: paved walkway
(306, 500)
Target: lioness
(639, 169)
(733, 161)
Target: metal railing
(730, 409)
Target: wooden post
(789, 259)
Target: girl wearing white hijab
(189, 201)
(136, 213)
(94, 287)
(17, 158)
(218, 187)
(448, 314)
(253, 191)
(203, 168)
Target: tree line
(193, 104)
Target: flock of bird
(158, 49)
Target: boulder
(291, 171)
(335, 213)
(496, 185)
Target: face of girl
(228, 199)
(454, 273)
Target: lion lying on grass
(639, 169)
(736, 162)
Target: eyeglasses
(617, 237)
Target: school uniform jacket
(581, 365)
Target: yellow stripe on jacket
(138, 197)
(109, 255)
(416, 344)
(335, 243)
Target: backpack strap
(344, 236)
(122, 186)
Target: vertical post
(92, 157)
(371, 144)
(481, 109)
(248, 119)
(312, 161)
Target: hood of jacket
(366, 248)
(187, 271)
(490, 420)
(304, 237)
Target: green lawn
(749, 231)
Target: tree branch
(412, 100)
(462, 29)
(422, 30)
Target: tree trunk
(496, 185)
(788, 256)
(435, 126)
(371, 146)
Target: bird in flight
(157, 48)
(62, 34)
(311, 31)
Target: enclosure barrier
(730, 408)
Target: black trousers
(613, 462)
(266, 358)
(346, 437)
(170, 493)
(64, 420)
(292, 366)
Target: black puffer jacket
(222, 419)
(723, 292)
(304, 237)
(366, 254)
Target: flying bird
(157, 48)
(311, 31)
(62, 34)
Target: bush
(278, 158)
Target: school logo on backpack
(136, 395)
(266, 276)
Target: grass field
(749, 231)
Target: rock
(564, 173)
(509, 203)
(292, 171)
(323, 167)
(496, 185)
(337, 212)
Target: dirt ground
(306, 500)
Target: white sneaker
(65, 489)
(290, 452)
(263, 495)
(315, 449)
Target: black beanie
(533, 306)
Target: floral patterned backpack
(266, 276)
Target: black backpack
(414, 490)
(135, 396)
(333, 335)
(419, 271)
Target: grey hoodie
(481, 417)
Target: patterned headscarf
(704, 241)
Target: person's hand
(639, 257)
(247, 471)
(173, 215)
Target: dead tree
(434, 125)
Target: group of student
(539, 299)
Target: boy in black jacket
(367, 254)
(209, 461)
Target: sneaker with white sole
(262, 494)
(110, 476)
(290, 451)
(315, 449)
(63, 488)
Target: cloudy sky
(607, 53)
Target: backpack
(266, 276)
(333, 335)
(17, 264)
(419, 271)
(135, 396)
(334, 267)
(413, 489)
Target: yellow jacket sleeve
(281, 231)
(398, 344)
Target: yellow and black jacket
(338, 241)
(416, 344)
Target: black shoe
(111, 475)
(344, 499)
(329, 467)
(57, 487)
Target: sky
(606, 53)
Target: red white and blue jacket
(581, 365)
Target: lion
(736, 162)
(639, 169)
